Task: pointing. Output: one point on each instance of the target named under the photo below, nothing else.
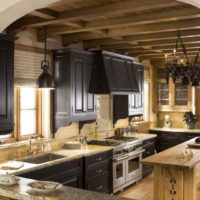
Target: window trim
(16, 133)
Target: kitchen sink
(39, 159)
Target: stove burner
(121, 138)
(103, 143)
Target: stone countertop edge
(22, 191)
(177, 130)
(173, 156)
(70, 155)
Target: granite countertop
(70, 155)
(141, 136)
(176, 130)
(174, 156)
(22, 191)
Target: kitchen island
(22, 191)
(176, 177)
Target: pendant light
(45, 80)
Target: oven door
(119, 172)
(133, 167)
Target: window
(27, 112)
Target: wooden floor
(142, 190)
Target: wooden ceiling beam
(107, 10)
(171, 15)
(156, 17)
(157, 27)
(77, 37)
(142, 37)
(160, 56)
(144, 52)
(162, 48)
(170, 41)
(44, 13)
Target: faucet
(36, 138)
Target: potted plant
(190, 119)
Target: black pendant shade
(45, 80)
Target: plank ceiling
(143, 28)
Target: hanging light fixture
(45, 80)
(181, 69)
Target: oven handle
(121, 158)
(135, 153)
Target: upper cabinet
(136, 101)
(73, 102)
(176, 97)
(6, 84)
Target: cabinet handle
(99, 188)
(72, 108)
(99, 159)
(99, 170)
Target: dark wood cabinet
(68, 173)
(136, 101)
(120, 107)
(167, 139)
(73, 102)
(6, 84)
(149, 147)
(98, 172)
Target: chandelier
(182, 70)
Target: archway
(195, 3)
(12, 10)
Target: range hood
(113, 74)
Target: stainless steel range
(127, 154)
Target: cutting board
(12, 165)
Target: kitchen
(110, 98)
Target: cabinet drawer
(97, 169)
(71, 178)
(148, 143)
(99, 183)
(148, 152)
(92, 160)
(41, 174)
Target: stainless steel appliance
(127, 154)
(127, 168)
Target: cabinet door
(136, 101)
(62, 106)
(83, 102)
(139, 99)
(6, 85)
(77, 84)
(89, 98)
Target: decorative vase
(191, 126)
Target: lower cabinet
(166, 140)
(149, 147)
(98, 172)
(91, 173)
(68, 173)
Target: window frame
(17, 118)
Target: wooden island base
(176, 178)
(172, 183)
